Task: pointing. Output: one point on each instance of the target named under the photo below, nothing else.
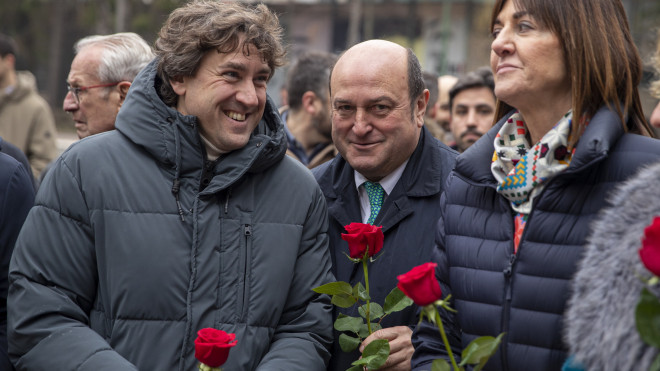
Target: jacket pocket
(245, 264)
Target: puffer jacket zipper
(508, 270)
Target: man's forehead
(82, 75)
(235, 58)
(85, 64)
(247, 49)
(379, 82)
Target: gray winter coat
(109, 273)
(600, 319)
(523, 295)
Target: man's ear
(123, 90)
(309, 100)
(421, 106)
(178, 85)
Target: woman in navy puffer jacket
(519, 203)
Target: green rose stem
(366, 284)
(438, 320)
(203, 367)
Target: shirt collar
(388, 182)
(212, 152)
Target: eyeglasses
(76, 91)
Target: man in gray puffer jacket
(188, 216)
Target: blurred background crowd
(450, 37)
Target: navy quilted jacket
(408, 218)
(523, 295)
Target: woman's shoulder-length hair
(602, 60)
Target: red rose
(212, 346)
(360, 236)
(650, 251)
(420, 284)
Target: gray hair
(124, 55)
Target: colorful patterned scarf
(520, 170)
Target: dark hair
(7, 46)
(431, 83)
(415, 80)
(599, 53)
(310, 72)
(482, 77)
(200, 26)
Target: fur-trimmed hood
(600, 319)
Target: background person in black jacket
(16, 199)
(520, 201)
(18, 155)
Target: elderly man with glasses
(100, 76)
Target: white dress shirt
(388, 183)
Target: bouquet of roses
(364, 242)
(647, 312)
(212, 348)
(423, 288)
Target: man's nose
(248, 94)
(69, 104)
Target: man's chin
(470, 139)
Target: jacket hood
(26, 83)
(173, 138)
(602, 133)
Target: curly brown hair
(203, 25)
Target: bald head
(447, 80)
(372, 56)
(371, 48)
(359, 59)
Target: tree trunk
(55, 82)
(354, 23)
(121, 15)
